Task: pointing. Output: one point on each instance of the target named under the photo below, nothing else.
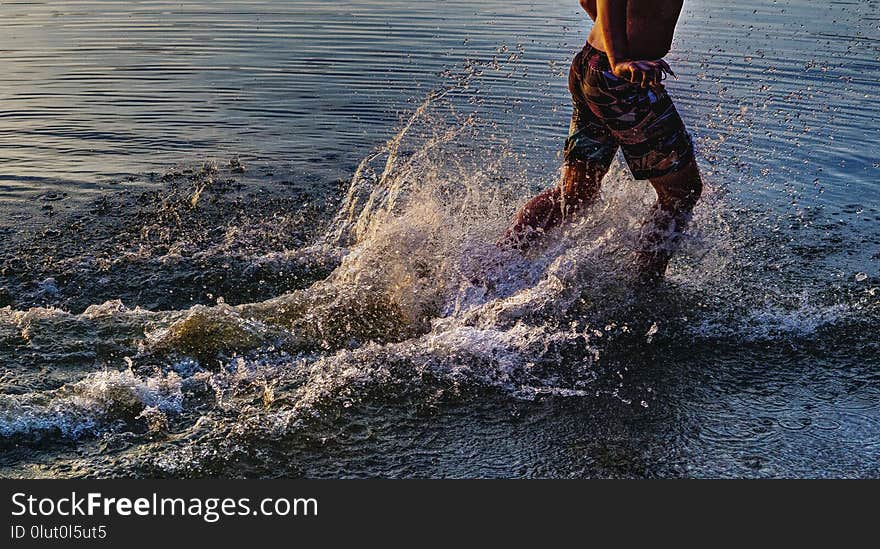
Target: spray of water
(421, 302)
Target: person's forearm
(611, 18)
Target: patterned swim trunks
(610, 112)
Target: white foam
(89, 405)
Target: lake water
(256, 239)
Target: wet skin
(635, 34)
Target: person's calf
(578, 189)
(659, 240)
(536, 216)
(677, 194)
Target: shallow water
(256, 239)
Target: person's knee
(681, 189)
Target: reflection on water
(102, 89)
(271, 314)
(97, 90)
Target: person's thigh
(651, 133)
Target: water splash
(412, 300)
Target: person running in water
(620, 102)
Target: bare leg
(677, 194)
(578, 189)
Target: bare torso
(650, 25)
(635, 35)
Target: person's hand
(645, 73)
